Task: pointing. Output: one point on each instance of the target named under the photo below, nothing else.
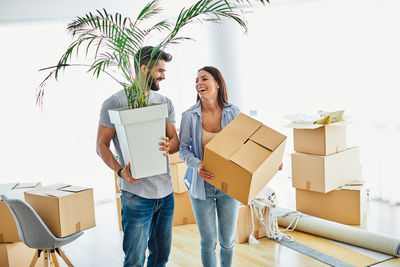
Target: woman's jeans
(146, 222)
(227, 212)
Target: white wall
(58, 143)
(299, 56)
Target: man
(147, 203)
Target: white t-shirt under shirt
(152, 187)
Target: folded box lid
(58, 190)
(267, 137)
(356, 185)
(74, 189)
(49, 192)
(233, 136)
(242, 127)
(246, 142)
(257, 148)
(16, 190)
(250, 156)
(310, 126)
(4, 188)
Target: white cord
(268, 205)
(252, 239)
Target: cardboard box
(346, 205)
(243, 157)
(178, 174)
(324, 140)
(65, 209)
(118, 198)
(8, 228)
(174, 158)
(17, 255)
(183, 213)
(325, 173)
(116, 183)
(245, 225)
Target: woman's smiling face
(206, 86)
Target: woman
(199, 125)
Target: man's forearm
(107, 156)
(174, 145)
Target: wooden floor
(101, 246)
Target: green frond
(116, 40)
(149, 10)
(249, 2)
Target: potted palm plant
(116, 43)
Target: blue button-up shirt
(191, 149)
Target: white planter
(139, 131)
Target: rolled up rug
(340, 232)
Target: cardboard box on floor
(183, 213)
(346, 205)
(65, 209)
(325, 173)
(178, 173)
(324, 140)
(174, 158)
(8, 228)
(118, 199)
(116, 183)
(245, 225)
(17, 255)
(244, 157)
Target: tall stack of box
(322, 166)
(13, 253)
(183, 213)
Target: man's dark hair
(144, 57)
(222, 93)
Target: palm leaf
(116, 40)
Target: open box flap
(356, 185)
(4, 188)
(74, 189)
(44, 191)
(27, 185)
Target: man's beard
(152, 84)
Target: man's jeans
(146, 222)
(204, 211)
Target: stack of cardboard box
(325, 174)
(12, 251)
(118, 200)
(183, 213)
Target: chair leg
(64, 257)
(35, 258)
(54, 257)
(46, 262)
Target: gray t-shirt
(153, 187)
